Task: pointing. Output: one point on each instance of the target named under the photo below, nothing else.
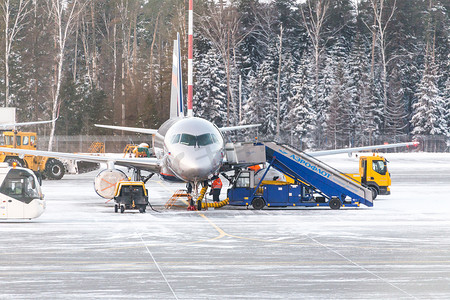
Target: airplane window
(175, 138)
(188, 140)
(204, 139)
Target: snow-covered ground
(79, 248)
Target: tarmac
(80, 249)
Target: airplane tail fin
(176, 96)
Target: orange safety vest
(255, 168)
(217, 184)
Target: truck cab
(21, 140)
(373, 173)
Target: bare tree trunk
(115, 67)
(314, 28)
(374, 43)
(381, 26)
(94, 46)
(57, 13)
(152, 48)
(75, 55)
(124, 57)
(11, 33)
(279, 80)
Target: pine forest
(317, 74)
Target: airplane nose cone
(196, 168)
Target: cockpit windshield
(192, 140)
(188, 140)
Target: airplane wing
(132, 129)
(148, 164)
(26, 123)
(358, 149)
(230, 128)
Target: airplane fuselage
(189, 149)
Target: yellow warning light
(14, 164)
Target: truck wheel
(116, 208)
(258, 203)
(374, 192)
(10, 160)
(142, 209)
(335, 203)
(54, 169)
(122, 209)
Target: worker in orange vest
(216, 186)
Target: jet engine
(105, 182)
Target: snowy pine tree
(210, 88)
(300, 118)
(429, 111)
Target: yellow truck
(47, 167)
(374, 174)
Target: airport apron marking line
(361, 267)
(154, 260)
(157, 265)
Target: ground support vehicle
(20, 193)
(130, 195)
(316, 184)
(47, 167)
(373, 173)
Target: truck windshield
(243, 180)
(20, 185)
(379, 166)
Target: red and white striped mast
(190, 57)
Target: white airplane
(188, 149)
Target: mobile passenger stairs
(315, 183)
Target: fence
(81, 143)
(117, 143)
